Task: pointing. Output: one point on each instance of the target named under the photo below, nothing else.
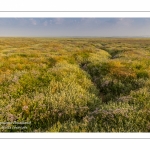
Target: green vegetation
(74, 85)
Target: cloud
(33, 22)
(125, 22)
(45, 23)
(59, 21)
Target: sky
(72, 27)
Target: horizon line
(143, 36)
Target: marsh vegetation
(74, 85)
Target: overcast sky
(54, 27)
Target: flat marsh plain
(74, 85)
